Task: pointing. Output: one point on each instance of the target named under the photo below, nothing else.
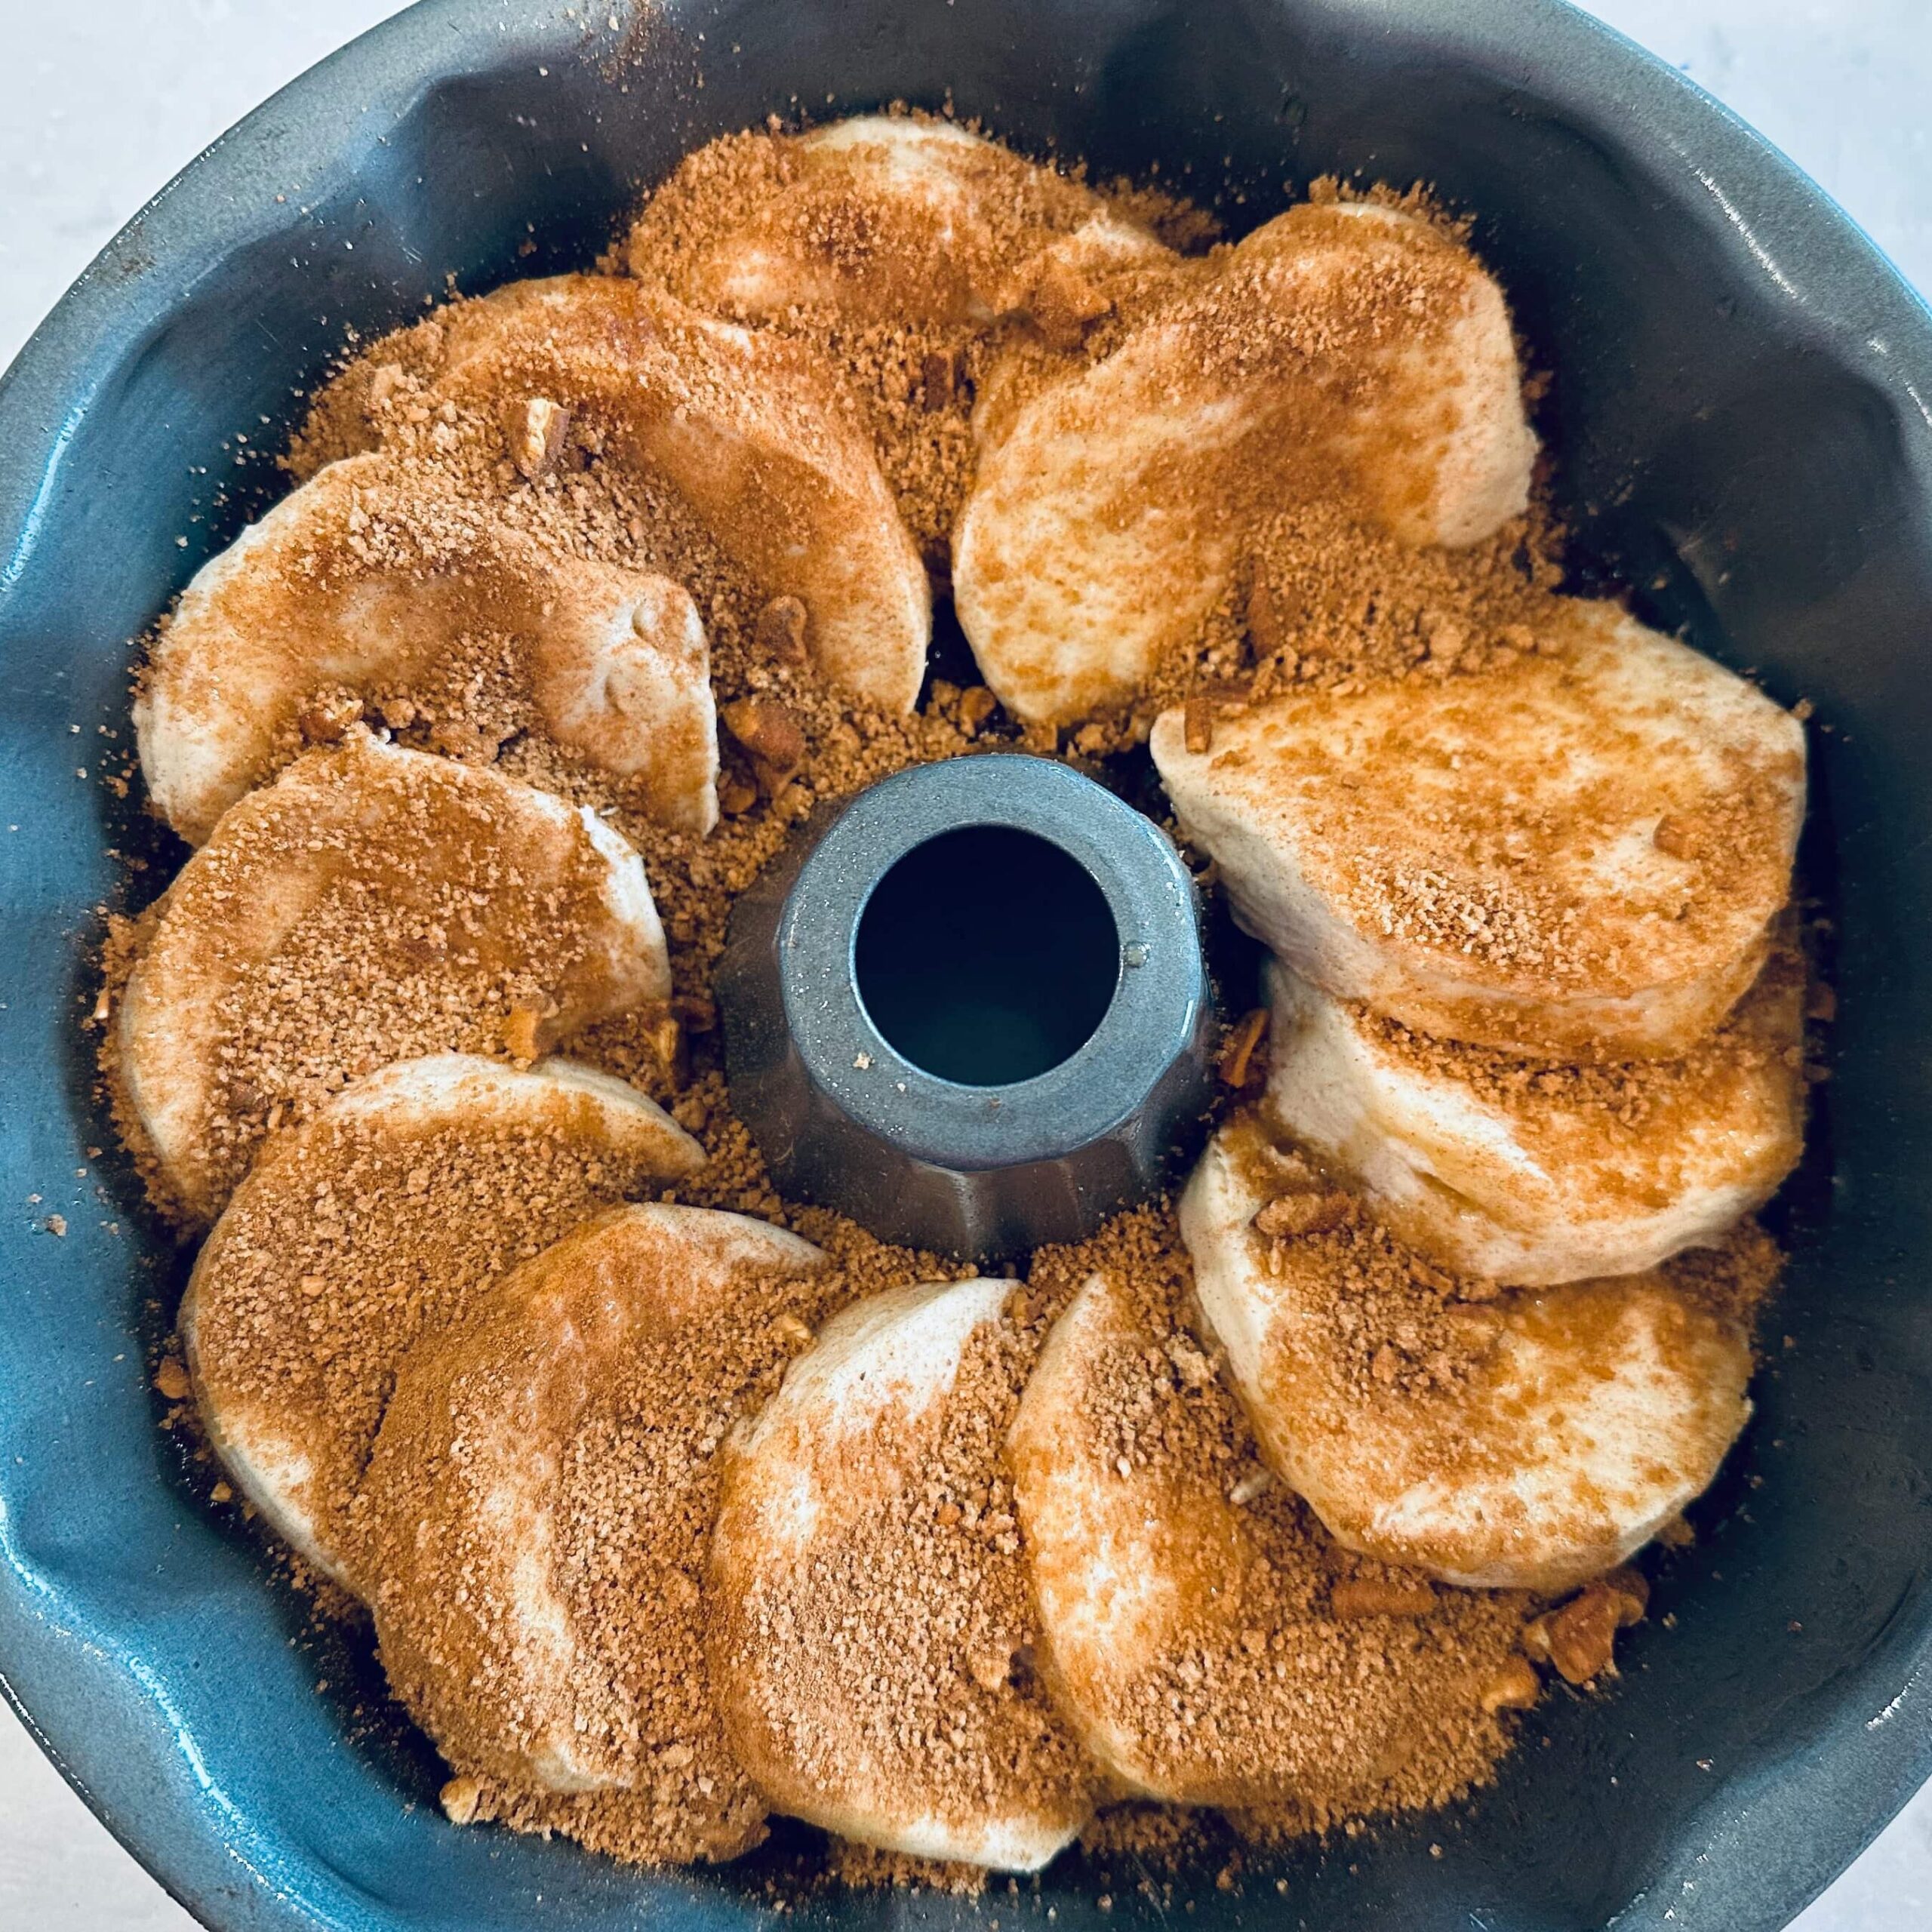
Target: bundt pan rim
(1740, 413)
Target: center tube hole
(986, 955)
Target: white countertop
(100, 102)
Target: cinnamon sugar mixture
(1323, 600)
(1307, 1685)
(357, 1238)
(635, 1483)
(945, 1707)
(1756, 1034)
(1399, 1327)
(369, 908)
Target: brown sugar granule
(1159, 1837)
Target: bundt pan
(1742, 417)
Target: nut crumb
(1365, 1597)
(459, 1798)
(1311, 1213)
(780, 631)
(1244, 1063)
(537, 432)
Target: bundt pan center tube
(967, 1007)
(1738, 419)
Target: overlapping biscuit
(537, 1508)
(1532, 1172)
(353, 589)
(869, 1599)
(1576, 852)
(1192, 1632)
(1533, 1439)
(381, 1220)
(1336, 349)
(372, 905)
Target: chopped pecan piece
(1579, 1638)
(1362, 1596)
(520, 1025)
(780, 631)
(1273, 616)
(942, 379)
(1310, 1213)
(1250, 1487)
(990, 1666)
(383, 384)
(1631, 1589)
(669, 1043)
(537, 429)
(1064, 304)
(699, 1011)
(328, 715)
(1515, 1687)
(1196, 1369)
(1243, 1060)
(771, 738)
(1672, 837)
(1582, 1637)
(459, 1798)
(1446, 640)
(1198, 724)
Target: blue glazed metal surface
(1742, 414)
